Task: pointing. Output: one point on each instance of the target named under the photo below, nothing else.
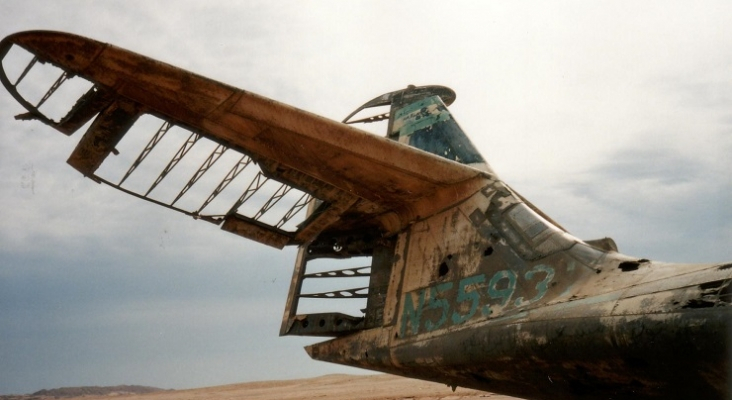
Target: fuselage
(492, 294)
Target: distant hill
(68, 392)
(95, 391)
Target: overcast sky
(613, 117)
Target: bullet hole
(444, 266)
(627, 266)
(444, 269)
(725, 294)
(488, 251)
(321, 323)
(338, 322)
(305, 323)
(712, 286)
(715, 292)
(699, 303)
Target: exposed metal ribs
(148, 148)
(279, 194)
(26, 70)
(184, 149)
(355, 293)
(54, 87)
(341, 273)
(207, 164)
(210, 183)
(303, 201)
(233, 173)
(254, 186)
(61, 79)
(166, 163)
(273, 207)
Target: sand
(347, 387)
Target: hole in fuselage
(699, 303)
(444, 269)
(488, 251)
(627, 266)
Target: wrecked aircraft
(460, 279)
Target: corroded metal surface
(490, 313)
(463, 281)
(330, 154)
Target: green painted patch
(419, 115)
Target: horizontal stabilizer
(225, 145)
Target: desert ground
(347, 387)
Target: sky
(614, 118)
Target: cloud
(661, 204)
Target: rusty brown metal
(329, 153)
(251, 229)
(102, 137)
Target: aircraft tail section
(427, 124)
(419, 117)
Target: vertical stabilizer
(419, 117)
